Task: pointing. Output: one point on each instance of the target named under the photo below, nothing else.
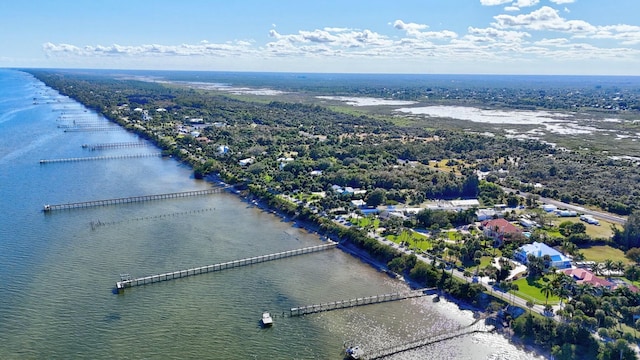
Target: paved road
(508, 297)
(562, 205)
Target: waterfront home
(582, 276)
(500, 229)
(539, 250)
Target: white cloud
(413, 29)
(525, 3)
(511, 8)
(559, 2)
(497, 35)
(202, 48)
(494, 2)
(545, 18)
(514, 42)
(552, 42)
(410, 28)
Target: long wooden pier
(95, 158)
(81, 125)
(133, 199)
(367, 300)
(445, 335)
(118, 145)
(131, 282)
(93, 128)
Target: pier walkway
(442, 336)
(93, 128)
(133, 199)
(118, 145)
(127, 282)
(367, 300)
(95, 158)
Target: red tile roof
(586, 276)
(504, 227)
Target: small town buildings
(500, 229)
(582, 276)
(539, 250)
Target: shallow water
(56, 296)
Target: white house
(539, 250)
(245, 162)
(223, 149)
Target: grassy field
(594, 231)
(414, 239)
(601, 253)
(363, 222)
(531, 289)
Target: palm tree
(619, 266)
(608, 266)
(547, 290)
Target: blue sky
(373, 36)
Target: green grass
(415, 240)
(602, 252)
(365, 222)
(602, 231)
(485, 261)
(531, 291)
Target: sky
(556, 37)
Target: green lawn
(531, 291)
(595, 231)
(485, 261)
(603, 252)
(414, 239)
(366, 221)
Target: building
(500, 229)
(485, 214)
(539, 250)
(582, 276)
(245, 162)
(465, 204)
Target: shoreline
(362, 255)
(505, 331)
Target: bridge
(127, 282)
(132, 199)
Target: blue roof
(540, 249)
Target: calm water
(56, 298)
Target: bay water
(58, 269)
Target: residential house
(582, 276)
(539, 250)
(500, 229)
